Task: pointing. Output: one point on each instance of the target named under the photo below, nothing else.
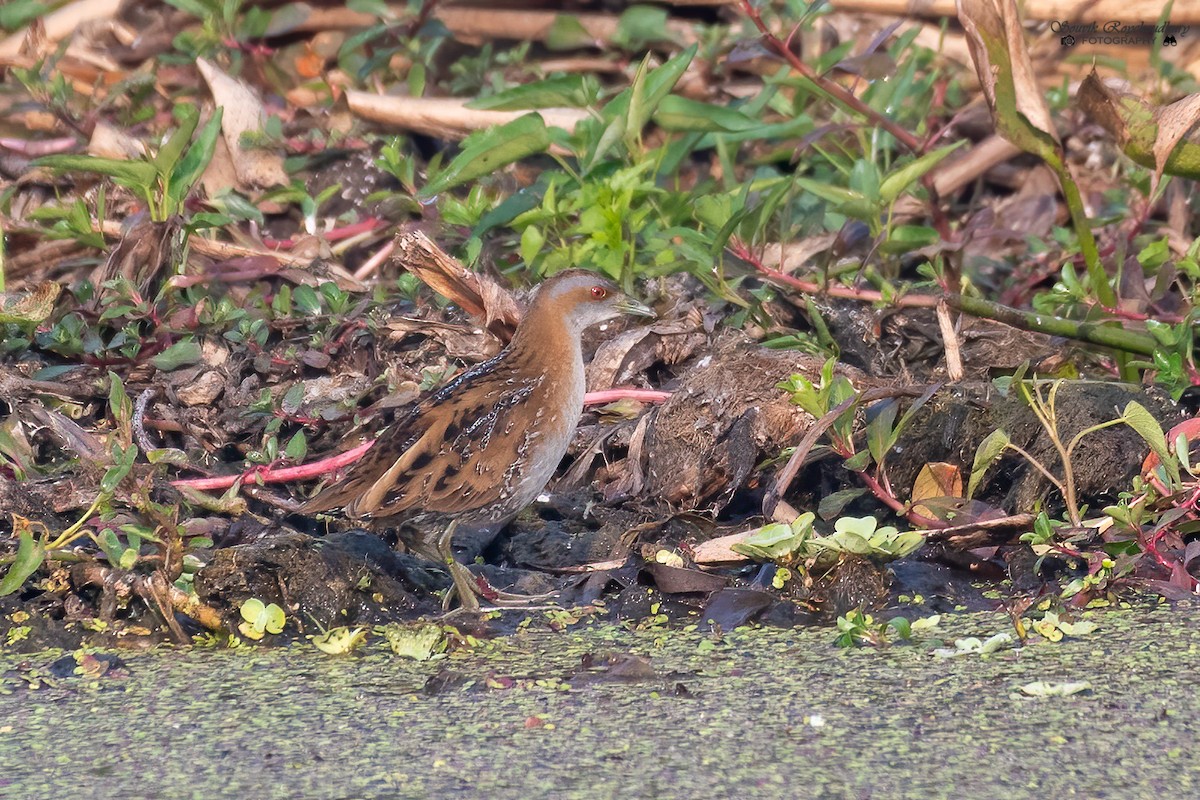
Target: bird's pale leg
(464, 581)
(466, 585)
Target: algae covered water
(600, 712)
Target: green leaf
(777, 540)
(252, 609)
(275, 619)
(117, 472)
(627, 113)
(988, 451)
(573, 91)
(139, 174)
(568, 33)
(616, 116)
(865, 179)
(901, 179)
(178, 355)
(118, 401)
(858, 462)
(907, 238)
(879, 429)
(901, 626)
(297, 447)
(18, 14)
(306, 301)
(833, 194)
(167, 156)
(112, 546)
(486, 151)
(532, 241)
(639, 26)
(1146, 426)
(831, 505)
(650, 88)
(677, 113)
(30, 555)
(293, 398)
(189, 169)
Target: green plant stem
(1092, 332)
(835, 90)
(1048, 475)
(1087, 242)
(1, 258)
(75, 531)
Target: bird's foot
(470, 589)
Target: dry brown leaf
(997, 42)
(62, 23)
(220, 173)
(243, 113)
(720, 552)
(446, 116)
(938, 479)
(1174, 123)
(1153, 137)
(604, 366)
(31, 307)
(478, 295)
(110, 142)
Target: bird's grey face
(586, 299)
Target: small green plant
(259, 619)
(834, 401)
(1043, 402)
(857, 628)
(798, 545)
(32, 551)
(340, 641)
(163, 181)
(223, 22)
(421, 643)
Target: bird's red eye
(599, 293)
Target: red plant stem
(268, 475)
(835, 90)
(889, 500)
(833, 290)
(612, 395)
(345, 232)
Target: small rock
(205, 389)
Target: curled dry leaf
(448, 117)
(476, 294)
(936, 479)
(1153, 137)
(1006, 74)
(244, 113)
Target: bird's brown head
(582, 299)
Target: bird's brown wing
(453, 453)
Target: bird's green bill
(630, 306)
